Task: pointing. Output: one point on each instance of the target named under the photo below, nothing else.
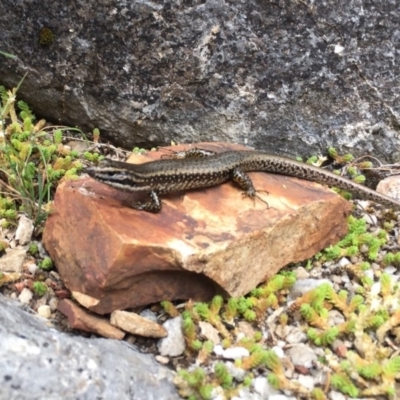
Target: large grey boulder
(285, 76)
(37, 362)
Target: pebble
(343, 262)
(161, 359)
(301, 273)
(174, 344)
(41, 301)
(234, 353)
(237, 373)
(307, 381)
(334, 395)
(245, 328)
(335, 317)
(305, 285)
(281, 397)
(24, 231)
(296, 335)
(336, 279)
(32, 268)
(390, 270)
(53, 303)
(245, 394)
(345, 278)
(13, 260)
(44, 311)
(146, 313)
(218, 350)
(209, 332)
(55, 275)
(283, 330)
(278, 351)
(263, 388)
(25, 296)
(303, 355)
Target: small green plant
(32, 158)
(39, 288)
(33, 249)
(194, 384)
(46, 264)
(138, 150)
(358, 236)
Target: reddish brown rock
(202, 242)
(81, 319)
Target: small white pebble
(390, 270)
(345, 279)
(307, 381)
(262, 387)
(172, 345)
(44, 311)
(162, 360)
(305, 285)
(32, 268)
(296, 336)
(334, 395)
(25, 296)
(369, 273)
(278, 351)
(234, 353)
(237, 373)
(280, 397)
(55, 275)
(336, 279)
(343, 262)
(301, 273)
(375, 266)
(53, 303)
(218, 350)
(301, 354)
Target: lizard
(198, 168)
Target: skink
(201, 168)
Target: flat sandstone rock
(202, 242)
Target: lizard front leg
(244, 181)
(153, 206)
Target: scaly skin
(202, 169)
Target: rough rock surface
(202, 242)
(37, 362)
(285, 76)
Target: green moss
(343, 384)
(39, 288)
(33, 249)
(46, 264)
